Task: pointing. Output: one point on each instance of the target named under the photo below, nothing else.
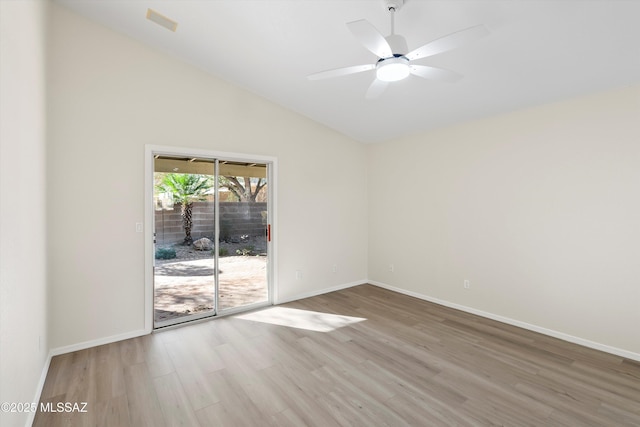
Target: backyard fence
(236, 219)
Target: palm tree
(186, 189)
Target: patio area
(185, 285)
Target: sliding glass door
(243, 235)
(211, 237)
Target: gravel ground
(185, 285)
(188, 253)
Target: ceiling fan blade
(449, 42)
(433, 73)
(376, 89)
(341, 72)
(370, 38)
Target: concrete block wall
(236, 219)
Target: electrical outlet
(467, 285)
(391, 268)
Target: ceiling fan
(394, 62)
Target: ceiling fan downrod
(397, 43)
(392, 6)
(392, 13)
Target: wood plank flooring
(390, 360)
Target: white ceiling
(538, 52)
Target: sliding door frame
(153, 150)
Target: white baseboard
(321, 291)
(549, 332)
(100, 341)
(133, 334)
(69, 349)
(43, 376)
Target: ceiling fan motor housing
(397, 43)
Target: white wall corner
(319, 292)
(100, 341)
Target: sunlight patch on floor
(301, 319)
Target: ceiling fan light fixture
(393, 69)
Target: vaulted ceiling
(537, 52)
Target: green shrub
(221, 252)
(165, 253)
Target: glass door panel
(243, 233)
(184, 286)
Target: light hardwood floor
(399, 361)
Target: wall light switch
(139, 227)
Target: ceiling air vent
(161, 20)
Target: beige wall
(23, 290)
(109, 96)
(539, 209)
